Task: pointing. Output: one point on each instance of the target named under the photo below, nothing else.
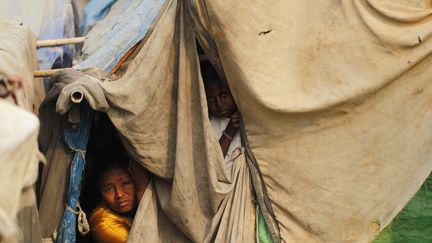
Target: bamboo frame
(45, 73)
(59, 42)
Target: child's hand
(235, 119)
(233, 124)
(140, 177)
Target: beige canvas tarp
(335, 97)
(336, 104)
(20, 158)
(19, 161)
(19, 129)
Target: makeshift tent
(335, 98)
(121, 33)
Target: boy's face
(219, 100)
(118, 191)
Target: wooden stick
(59, 42)
(45, 73)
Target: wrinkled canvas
(335, 97)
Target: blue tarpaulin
(125, 25)
(94, 11)
(76, 137)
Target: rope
(83, 225)
(80, 151)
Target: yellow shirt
(108, 226)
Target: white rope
(83, 225)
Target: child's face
(219, 100)
(118, 191)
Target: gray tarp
(336, 101)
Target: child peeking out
(112, 219)
(224, 115)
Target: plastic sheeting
(127, 23)
(94, 11)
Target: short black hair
(209, 74)
(106, 164)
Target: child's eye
(108, 189)
(210, 99)
(126, 183)
(225, 94)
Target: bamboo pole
(59, 42)
(45, 73)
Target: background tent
(335, 98)
(48, 19)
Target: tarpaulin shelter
(121, 33)
(335, 99)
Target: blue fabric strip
(76, 139)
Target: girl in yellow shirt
(111, 220)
